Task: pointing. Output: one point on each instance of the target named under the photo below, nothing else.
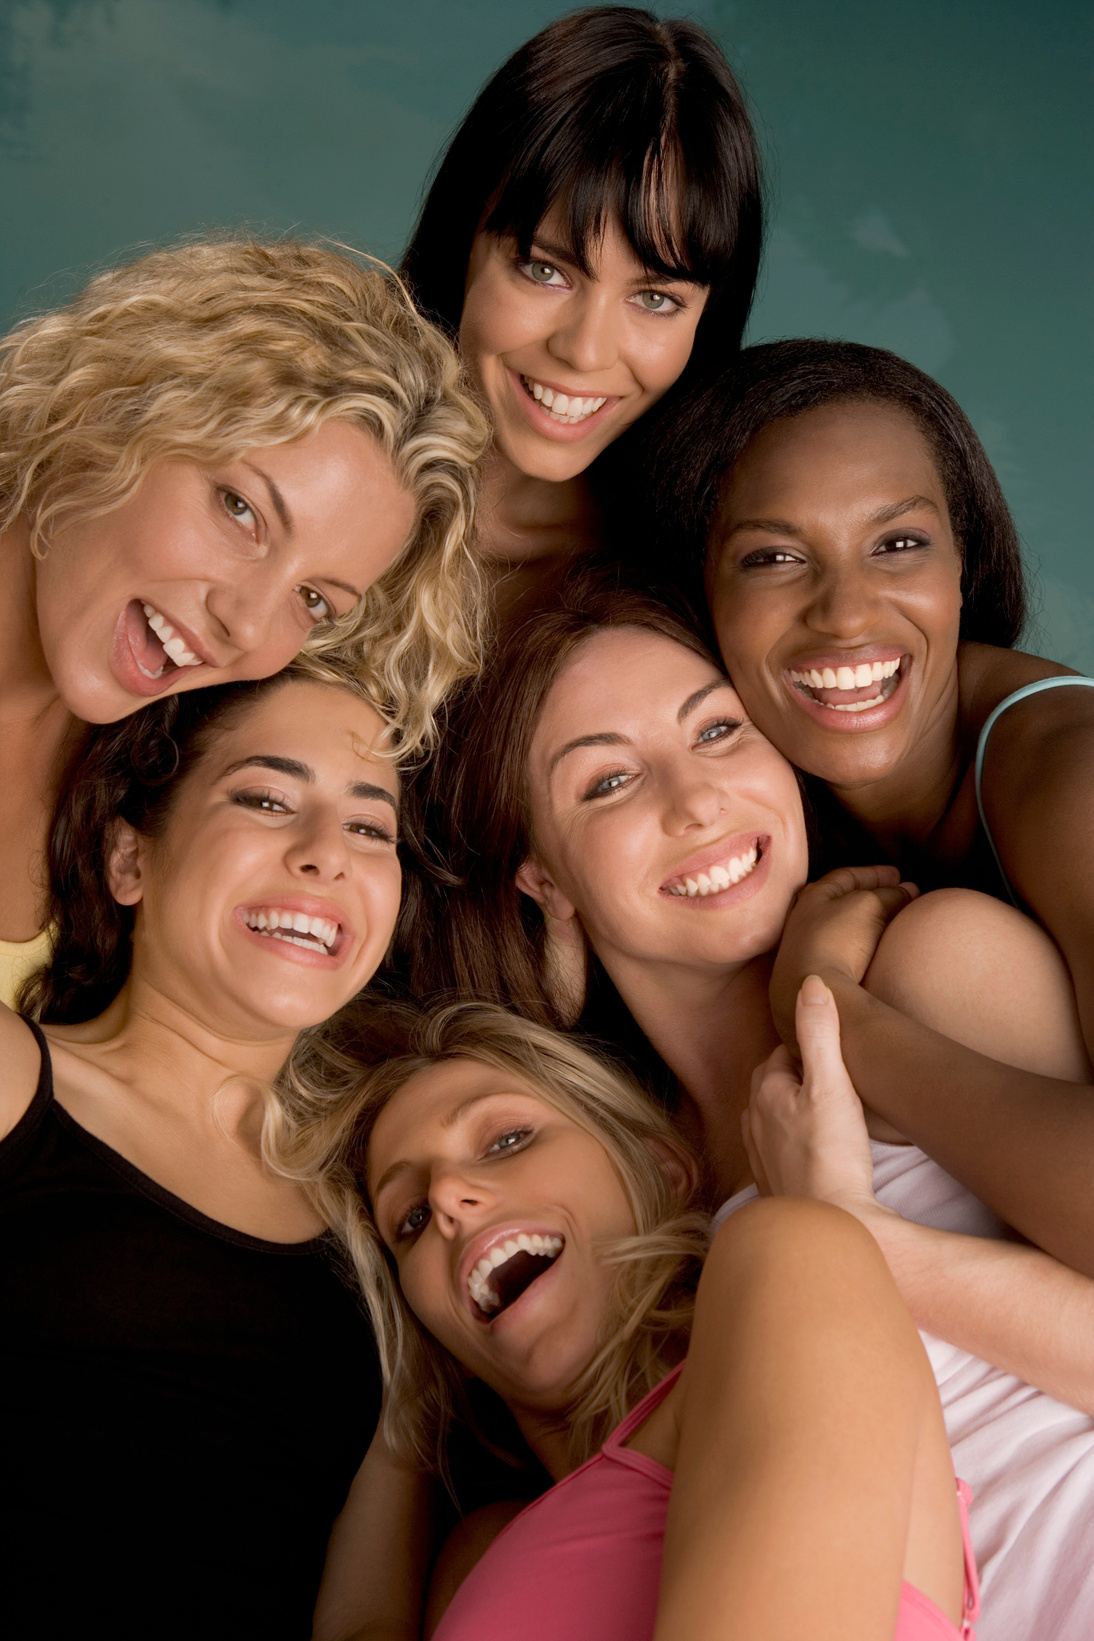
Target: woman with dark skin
(596, 214)
(842, 515)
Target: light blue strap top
(982, 746)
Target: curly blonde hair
(204, 351)
(339, 1078)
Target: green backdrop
(929, 164)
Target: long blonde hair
(204, 351)
(338, 1080)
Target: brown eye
(315, 604)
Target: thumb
(816, 1023)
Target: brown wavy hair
(204, 351)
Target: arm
(22, 1061)
(812, 1472)
(1010, 1305)
(1021, 1140)
(378, 1554)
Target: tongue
(148, 652)
(844, 697)
(510, 1280)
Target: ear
(532, 880)
(678, 1164)
(125, 864)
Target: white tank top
(1028, 1459)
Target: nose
(247, 609)
(843, 602)
(456, 1198)
(694, 802)
(318, 851)
(585, 337)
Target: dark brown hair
(466, 927)
(608, 113)
(130, 770)
(688, 465)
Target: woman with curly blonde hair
(213, 458)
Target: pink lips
(544, 423)
(482, 1244)
(136, 652)
(719, 854)
(310, 906)
(851, 722)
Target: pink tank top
(583, 1561)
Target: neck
(902, 808)
(525, 521)
(712, 1026)
(175, 1052)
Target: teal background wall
(929, 160)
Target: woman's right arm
(812, 1471)
(22, 1061)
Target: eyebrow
(275, 496)
(303, 772)
(700, 696)
(605, 738)
(783, 527)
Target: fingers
(845, 880)
(755, 1161)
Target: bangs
(674, 213)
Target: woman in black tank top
(191, 1386)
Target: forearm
(378, 1555)
(1010, 1305)
(1022, 1143)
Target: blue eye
(511, 1140)
(412, 1220)
(719, 731)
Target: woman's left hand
(806, 1135)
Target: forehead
(850, 446)
(625, 673)
(313, 723)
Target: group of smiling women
(508, 634)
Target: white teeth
(857, 677)
(169, 638)
(478, 1282)
(717, 877)
(827, 679)
(285, 925)
(567, 408)
(855, 706)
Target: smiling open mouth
(566, 408)
(508, 1269)
(157, 648)
(315, 934)
(850, 689)
(734, 869)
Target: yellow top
(20, 958)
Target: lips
(730, 870)
(500, 1265)
(858, 691)
(300, 928)
(149, 652)
(545, 419)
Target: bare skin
(773, 1348)
(615, 337)
(241, 586)
(811, 567)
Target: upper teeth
(562, 407)
(169, 638)
(847, 677)
(716, 878)
(283, 925)
(478, 1283)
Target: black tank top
(184, 1406)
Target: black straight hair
(687, 466)
(608, 114)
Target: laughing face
(569, 360)
(835, 586)
(271, 894)
(662, 818)
(209, 575)
(495, 1205)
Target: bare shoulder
(22, 1061)
(987, 674)
(985, 974)
(777, 1233)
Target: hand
(833, 929)
(806, 1136)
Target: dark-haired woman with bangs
(592, 237)
(865, 584)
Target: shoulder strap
(982, 746)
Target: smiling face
(495, 1204)
(835, 586)
(215, 574)
(568, 360)
(270, 895)
(661, 816)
